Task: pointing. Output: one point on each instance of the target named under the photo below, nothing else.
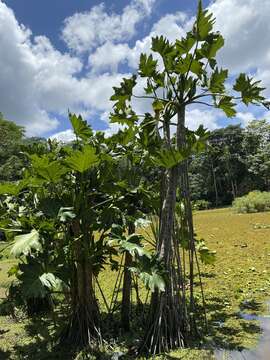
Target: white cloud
(108, 57)
(27, 68)
(245, 26)
(38, 83)
(196, 117)
(85, 31)
(245, 117)
(64, 136)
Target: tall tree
(256, 146)
(184, 74)
(11, 136)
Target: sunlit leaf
(249, 89)
(217, 80)
(147, 66)
(25, 243)
(226, 104)
(82, 160)
(80, 127)
(46, 169)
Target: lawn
(239, 281)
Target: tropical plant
(187, 74)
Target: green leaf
(123, 93)
(50, 281)
(66, 213)
(212, 45)
(227, 105)
(184, 45)
(161, 45)
(80, 127)
(168, 158)
(34, 282)
(124, 117)
(207, 256)
(82, 160)
(217, 80)
(46, 169)
(9, 188)
(134, 248)
(153, 281)
(204, 23)
(147, 66)
(31, 286)
(158, 105)
(249, 89)
(189, 64)
(25, 243)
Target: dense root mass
(83, 328)
(166, 326)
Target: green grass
(239, 280)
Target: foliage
(255, 201)
(25, 243)
(200, 205)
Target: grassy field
(239, 281)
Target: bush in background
(200, 204)
(255, 201)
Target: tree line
(235, 161)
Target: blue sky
(60, 55)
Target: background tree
(11, 137)
(256, 147)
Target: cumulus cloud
(110, 55)
(38, 83)
(85, 31)
(27, 68)
(64, 136)
(197, 117)
(246, 28)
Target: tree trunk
(84, 324)
(167, 323)
(127, 287)
(215, 183)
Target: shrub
(255, 201)
(200, 204)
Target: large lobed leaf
(168, 158)
(47, 169)
(80, 127)
(82, 160)
(249, 89)
(25, 243)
